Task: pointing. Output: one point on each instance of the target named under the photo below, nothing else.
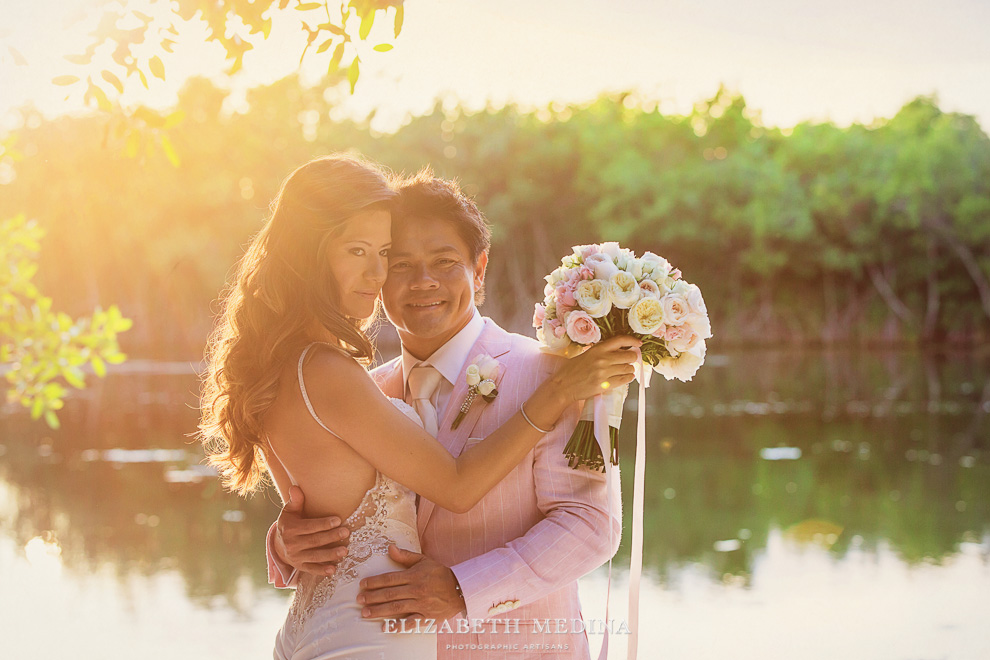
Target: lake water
(799, 505)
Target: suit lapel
(493, 342)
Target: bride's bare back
(333, 476)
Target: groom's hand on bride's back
(311, 545)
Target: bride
(288, 392)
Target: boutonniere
(480, 375)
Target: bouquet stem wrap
(583, 449)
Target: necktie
(423, 382)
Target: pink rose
(660, 332)
(582, 329)
(675, 274)
(557, 328)
(586, 273)
(564, 295)
(539, 315)
(680, 337)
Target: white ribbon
(643, 374)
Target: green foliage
(819, 234)
(46, 350)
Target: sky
(793, 60)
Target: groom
(509, 565)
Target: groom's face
(432, 278)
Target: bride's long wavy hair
(282, 298)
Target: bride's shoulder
(329, 368)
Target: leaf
(326, 44)
(37, 407)
(52, 419)
(73, 376)
(353, 71)
(19, 59)
(99, 366)
(306, 6)
(62, 81)
(400, 15)
(174, 118)
(116, 358)
(282, 4)
(266, 27)
(81, 60)
(156, 66)
(366, 22)
(113, 80)
(169, 150)
(167, 45)
(333, 29)
(383, 48)
(102, 102)
(338, 55)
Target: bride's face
(358, 259)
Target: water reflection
(843, 452)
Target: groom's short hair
(427, 196)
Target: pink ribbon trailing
(636, 551)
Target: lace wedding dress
(325, 620)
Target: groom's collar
(449, 359)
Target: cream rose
(646, 316)
(593, 297)
(623, 290)
(473, 375)
(486, 387)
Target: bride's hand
(605, 365)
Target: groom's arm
(576, 536)
(310, 545)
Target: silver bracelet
(522, 409)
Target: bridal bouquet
(603, 290)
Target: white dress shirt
(449, 360)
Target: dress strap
(292, 479)
(302, 388)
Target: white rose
(684, 366)
(558, 275)
(694, 299)
(611, 248)
(593, 297)
(655, 267)
(624, 290)
(602, 265)
(486, 387)
(675, 309)
(551, 305)
(473, 375)
(635, 267)
(488, 367)
(625, 259)
(646, 316)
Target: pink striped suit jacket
(519, 552)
